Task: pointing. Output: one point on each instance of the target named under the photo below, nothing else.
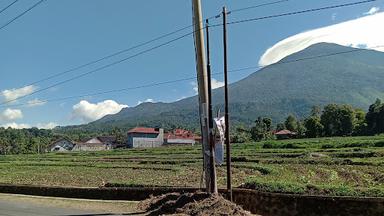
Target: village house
(141, 137)
(62, 145)
(181, 137)
(99, 143)
(285, 134)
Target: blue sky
(61, 34)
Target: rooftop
(285, 132)
(144, 130)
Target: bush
(239, 159)
(356, 144)
(311, 189)
(354, 154)
(275, 187)
(267, 145)
(327, 146)
(127, 184)
(291, 146)
(379, 144)
(262, 169)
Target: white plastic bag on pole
(219, 147)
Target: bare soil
(195, 204)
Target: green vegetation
(275, 91)
(15, 141)
(34, 140)
(342, 166)
(333, 120)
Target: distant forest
(329, 121)
(332, 120)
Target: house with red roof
(285, 134)
(180, 137)
(142, 137)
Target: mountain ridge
(320, 74)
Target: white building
(62, 145)
(100, 143)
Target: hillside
(291, 86)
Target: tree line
(331, 120)
(34, 140)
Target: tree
(338, 120)
(119, 136)
(316, 111)
(241, 135)
(313, 126)
(268, 124)
(262, 129)
(291, 123)
(360, 125)
(280, 126)
(375, 118)
(24, 141)
(301, 129)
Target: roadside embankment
(267, 204)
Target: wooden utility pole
(210, 118)
(202, 89)
(227, 141)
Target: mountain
(320, 74)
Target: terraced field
(326, 166)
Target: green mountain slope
(291, 86)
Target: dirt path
(52, 206)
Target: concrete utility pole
(202, 88)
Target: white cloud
(372, 11)
(11, 114)
(215, 84)
(149, 100)
(334, 16)
(182, 98)
(195, 89)
(90, 112)
(15, 125)
(36, 102)
(49, 125)
(13, 94)
(365, 30)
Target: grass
(342, 166)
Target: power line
(105, 92)
(100, 68)
(189, 78)
(109, 56)
(301, 12)
(250, 7)
(256, 6)
(8, 6)
(168, 42)
(134, 47)
(22, 14)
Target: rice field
(341, 166)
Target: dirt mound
(196, 204)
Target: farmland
(326, 166)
